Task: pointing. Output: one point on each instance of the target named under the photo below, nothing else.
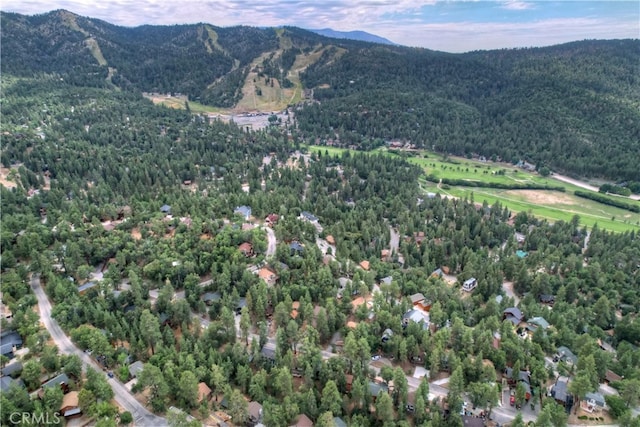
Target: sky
(446, 25)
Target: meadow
(547, 204)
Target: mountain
(573, 107)
(353, 35)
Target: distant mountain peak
(352, 35)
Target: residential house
(83, 289)
(357, 302)
(386, 335)
(523, 377)
(296, 248)
(416, 316)
(210, 298)
(308, 216)
(385, 255)
(10, 341)
(470, 284)
(61, 381)
(268, 354)
(165, 209)
(272, 219)
(565, 355)
(5, 383)
(302, 421)
(472, 421)
(560, 392)
(376, 388)
(513, 315)
(246, 249)
(204, 392)
(339, 422)
(605, 346)
(135, 368)
(520, 238)
(593, 402)
(610, 377)
(386, 280)
(268, 275)
(244, 211)
(330, 240)
(437, 273)
(420, 302)
(254, 411)
(547, 299)
(537, 322)
(70, 406)
(364, 265)
(12, 369)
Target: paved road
(271, 242)
(394, 240)
(125, 399)
(507, 287)
(586, 186)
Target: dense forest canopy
(572, 107)
(139, 204)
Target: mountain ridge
(353, 35)
(572, 107)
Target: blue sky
(449, 25)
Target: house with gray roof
(513, 314)
(593, 402)
(560, 392)
(565, 355)
(6, 382)
(416, 316)
(243, 210)
(10, 341)
(308, 216)
(135, 368)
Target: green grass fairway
(551, 205)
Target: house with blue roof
(82, 289)
(243, 210)
(308, 216)
(10, 341)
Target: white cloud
(517, 5)
(402, 21)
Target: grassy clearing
(554, 208)
(551, 205)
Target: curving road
(271, 242)
(142, 417)
(586, 186)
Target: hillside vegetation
(572, 107)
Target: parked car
(376, 357)
(110, 374)
(410, 408)
(512, 400)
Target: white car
(376, 357)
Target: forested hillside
(572, 108)
(132, 217)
